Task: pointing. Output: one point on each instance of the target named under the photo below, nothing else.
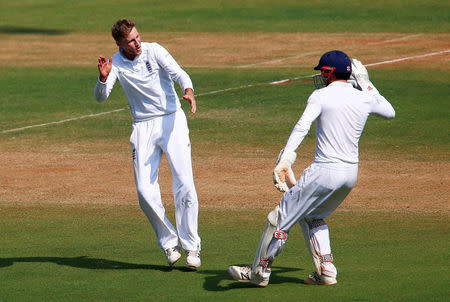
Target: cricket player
(340, 112)
(146, 72)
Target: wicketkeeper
(340, 112)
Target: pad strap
(265, 263)
(316, 223)
(280, 235)
(326, 258)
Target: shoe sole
(259, 284)
(313, 282)
(193, 265)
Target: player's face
(131, 45)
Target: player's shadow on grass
(91, 263)
(214, 279)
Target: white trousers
(319, 191)
(168, 134)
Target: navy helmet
(337, 60)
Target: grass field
(71, 226)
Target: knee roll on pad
(326, 258)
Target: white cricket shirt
(147, 81)
(340, 112)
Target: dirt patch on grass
(222, 182)
(69, 177)
(240, 50)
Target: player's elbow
(388, 113)
(99, 99)
(99, 96)
(391, 114)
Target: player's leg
(146, 160)
(177, 148)
(259, 272)
(315, 230)
(317, 240)
(295, 204)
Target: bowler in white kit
(146, 72)
(340, 112)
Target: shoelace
(316, 276)
(171, 250)
(193, 253)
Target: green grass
(91, 252)
(25, 16)
(259, 115)
(109, 253)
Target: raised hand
(104, 67)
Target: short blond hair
(122, 28)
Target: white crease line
(279, 60)
(230, 89)
(252, 85)
(292, 79)
(409, 58)
(222, 90)
(117, 110)
(395, 40)
(316, 52)
(63, 121)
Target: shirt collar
(337, 83)
(125, 59)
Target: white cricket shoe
(316, 279)
(258, 280)
(244, 274)
(193, 259)
(240, 273)
(173, 254)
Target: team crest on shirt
(149, 67)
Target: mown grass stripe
(223, 90)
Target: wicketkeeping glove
(353, 81)
(360, 74)
(283, 176)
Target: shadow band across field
(212, 282)
(32, 30)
